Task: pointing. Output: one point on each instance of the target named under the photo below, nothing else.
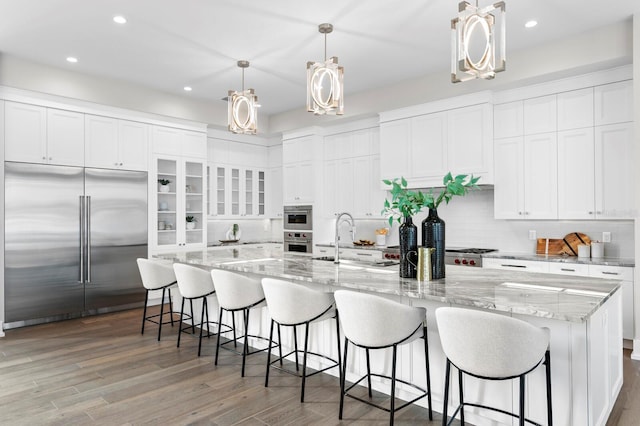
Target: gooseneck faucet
(352, 228)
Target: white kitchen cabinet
(614, 103)
(428, 159)
(237, 191)
(470, 142)
(540, 115)
(515, 265)
(526, 177)
(576, 174)
(575, 109)
(395, 149)
(186, 197)
(299, 158)
(116, 144)
(173, 141)
(274, 191)
(36, 134)
(508, 120)
(614, 172)
(625, 275)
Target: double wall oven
(298, 229)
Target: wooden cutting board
(567, 245)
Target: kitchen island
(583, 315)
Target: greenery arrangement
(405, 202)
(190, 219)
(164, 181)
(234, 229)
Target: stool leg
(204, 307)
(338, 336)
(280, 345)
(547, 363)
(426, 357)
(180, 326)
(461, 391)
(393, 384)
(170, 307)
(304, 360)
(206, 312)
(343, 377)
(295, 346)
(445, 404)
(521, 423)
(266, 376)
(218, 339)
(246, 340)
(144, 312)
(193, 321)
(369, 372)
(161, 314)
(233, 324)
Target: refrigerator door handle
(81, 278)
(88, 238)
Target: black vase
(408, 248)
(433, 236)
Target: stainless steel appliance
(298, 218)
(453, 256)
(465, 256)
(298, 242)
(72, 236)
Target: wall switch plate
(533, 234)
(606, 237)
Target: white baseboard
(635, 354)
(1, 329)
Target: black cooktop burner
(470, 250)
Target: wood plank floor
(100, 370)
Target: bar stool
(292, 305)
(157, 275)
(491, 346)
(236, 293)
(374, 322)
(194, 283)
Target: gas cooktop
(470, 250)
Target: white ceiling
(168, 44)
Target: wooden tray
(228, 241)
(565, 246)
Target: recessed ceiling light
(187, 89)
(72, 59)
(531, 24)
(119, 19)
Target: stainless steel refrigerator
(72, 236)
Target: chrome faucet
(352, 225)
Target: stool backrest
(236, 291)
(375, 321)
(291, 303)
(155, 274)
(489, 344)
(193, 282)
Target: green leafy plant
(405, 202)
(234, 229)
(164, 181)
(190, 219)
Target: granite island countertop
(608, 261)
(558, 297)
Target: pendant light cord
(325, 46)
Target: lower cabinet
(624, 274)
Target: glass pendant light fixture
(478, 41)
(325, 82)
(243, 108)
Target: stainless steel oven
(298, 242)
(298, 218)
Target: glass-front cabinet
(180, 201)
(236, 192)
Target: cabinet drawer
(611, 272)
(576, 269)
(515, 265)
(366, 255)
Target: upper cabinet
(300, 168)
(36, 134)
(116, 144)
(540, 115)
(575, 109)
(423, 148)
(614, 103)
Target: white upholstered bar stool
(238, 293)
(292, 304)
(194, 283)
(491, 346)
(375, 322)
(157, 275)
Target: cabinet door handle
(610, 273)
(567, 269)
(514, 266)
(590, 212)
(364, 254)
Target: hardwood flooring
(101, 370)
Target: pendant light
(243, 108)
(475, 34)
(325, 82)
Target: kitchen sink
(378, 263)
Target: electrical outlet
(606, 237)
(533, 234)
